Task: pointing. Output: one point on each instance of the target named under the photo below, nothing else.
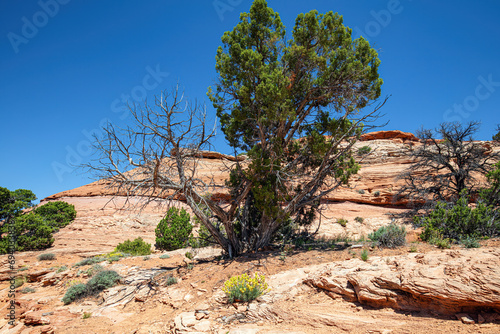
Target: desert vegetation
(296, 117)
(31, 230)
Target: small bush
(115, 256)
(27, 290)
(470, 242)
(243, 288)
(390, 236)
(136, 247)
(189, 255)
(413, 249)
(72, 282)
(61, 269)
(364, 150)
(364, 255)
(46, 257)
(102, 280)
(361, 191)
(376, 193)
(86, 315)
(19, 281)
(342, 222)
(171, 280)
(164, 256)
(74, 292)
(23, 268)
(458, 221)
(89, 260)
(146, 258)
(174, 230)
(442, 243)
(96, 268)
(359, 219)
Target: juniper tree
(296, 106)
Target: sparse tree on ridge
(446, 166)
(296, 107)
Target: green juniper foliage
(33, 230)
(174, 230)
(58, 214)
(288, 104)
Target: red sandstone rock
(445, 282)
(392, 134)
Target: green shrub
(243, 288)
(164, 256)
(361, 191)
(189, 255)
(72, 282)
(32, 232)
(102, 280)
(46, 257)
(376, 193)
(95, 269)
(58, 214)
(19, 281)
(458, 221)
(61, 269)
(86, 315)
(470, 242)
(27, 289)
(74, 292)
(342, 222)
(204, 238)
(174, 230)
(136, 247)
(390, 236)
(89, 260)
(171, 280)
(442, 243)
(359, 219)
(364, 255)
(364, 150)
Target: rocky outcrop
(391, 134)
(374, 184)
(445, 282)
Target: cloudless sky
(68, 66)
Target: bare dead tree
(159, 157)
(445, 167)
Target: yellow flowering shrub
(243, 288)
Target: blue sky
(66, 66)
